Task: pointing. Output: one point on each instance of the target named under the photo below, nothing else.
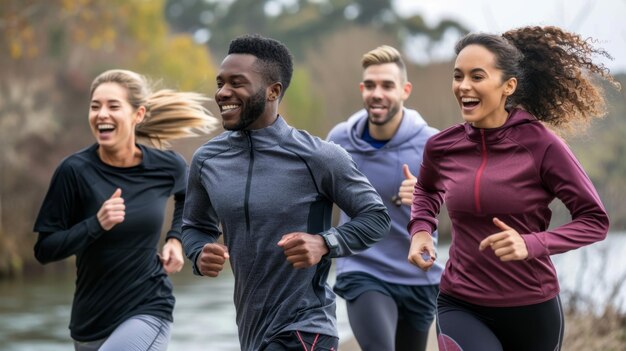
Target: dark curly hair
(273, 58)
(554, 71)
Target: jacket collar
(410, 127)
(493, 135)
(267, 137)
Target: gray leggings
(139, 333)
(376, 324)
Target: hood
(516, 117)
(411, 125)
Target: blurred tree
(298, 23)
(602, 152)
(336, 66)
(49, 52)
(302, 104)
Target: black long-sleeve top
(119, 274)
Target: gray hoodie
(387, 260)
(258, 185)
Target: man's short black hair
(273, 57)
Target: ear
(361, 87)
(406, 90)
(274, 91)
(509, 86)
(140, 114)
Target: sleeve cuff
(535, 246)
(419, 227)
(174, 234)
(94, 229)
(196, 271)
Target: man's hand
(303, 250)
(508, 244)
(172, 256)
(422, 251)
(405, 193)
(211, 260)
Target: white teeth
(229, 107)
(468, 99)
(105, 126)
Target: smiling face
(111, 117)
(242, 94)
(479, 89)
(383, 93)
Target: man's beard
(253, 110)
(392, 112)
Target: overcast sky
(604, 20)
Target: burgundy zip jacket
(512, 172)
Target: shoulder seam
(305, 163)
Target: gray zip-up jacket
(257, 186)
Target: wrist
(420, 237)
(173, 239)
(330, 239)
(420, 234)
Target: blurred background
(50, 50)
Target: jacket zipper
(479, 172)
(246, 209)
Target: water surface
(35, 312)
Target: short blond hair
(385, 54)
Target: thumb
(284, 239)
(226, 255)
(500, 224)
(165, 255)
(117, 193)
(407, 172)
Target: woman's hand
(422, 251)
(508, 244)
(112, 211)
(172, 256)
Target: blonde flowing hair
(169, 114)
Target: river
(34, 313)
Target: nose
(102, 112)
(377, 92)
(222, 93)
(464, 84)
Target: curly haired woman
(497, 173)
